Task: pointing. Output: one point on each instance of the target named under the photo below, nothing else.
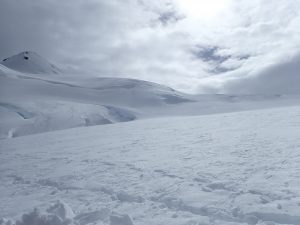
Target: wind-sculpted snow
(119, 114)
(23, 113)
(239, 168)
(61, 214)
(38, 117)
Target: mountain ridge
(30, 62)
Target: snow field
(234, 168)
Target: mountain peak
(30, 62)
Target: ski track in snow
(235, 168)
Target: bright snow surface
(233, 168)
(36, 103)
(174, 165)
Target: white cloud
(154, 40)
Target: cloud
(283, 78)
(156, 41)
(266, 40)
(219, 62)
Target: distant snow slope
(30, 62)
(33, 101)
(225, 169)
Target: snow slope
(30, 62)
(35, 99)
(34, 103)
(31, 103)
(235, 168)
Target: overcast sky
(212, 46)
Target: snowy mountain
(33, 103)
(30, 62)
(179, 160)
(239, 168)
